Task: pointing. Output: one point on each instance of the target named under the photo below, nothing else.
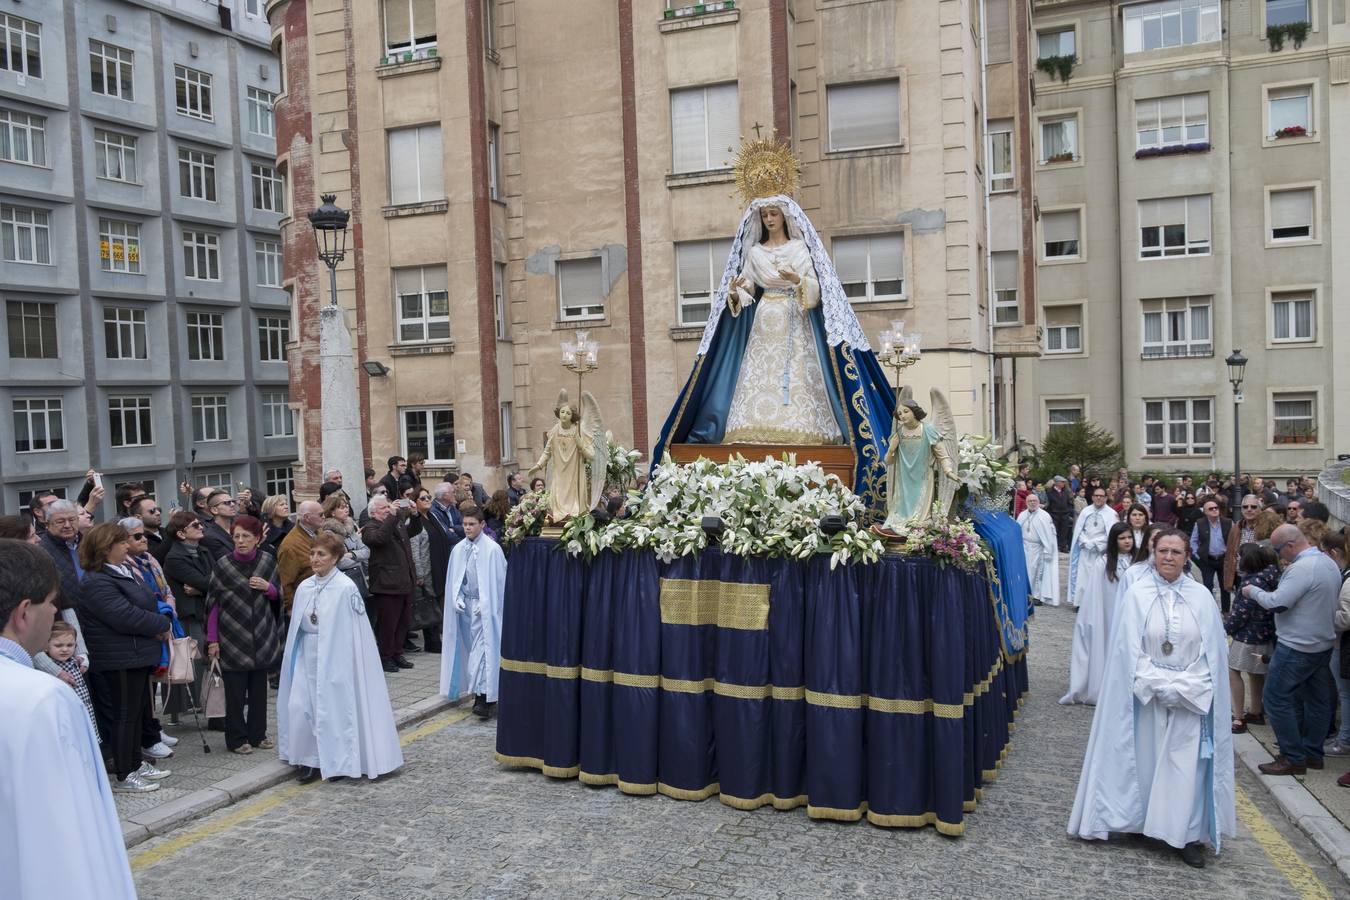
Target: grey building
(145, 330)
(1190, 196)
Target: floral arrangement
(767, 507)
(527, 517)
(983, 474)
(1292, 131)
(1173, 149)
(621, 467)
(953, 542)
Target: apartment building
(1190, 199)
(145, 328)
(521, 169)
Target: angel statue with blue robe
(783, 360)
(921, 460)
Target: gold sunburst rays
(766, 167)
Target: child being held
(61, 650)
(1252, 628)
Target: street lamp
(1237, 366)
(330, 238)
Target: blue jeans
(1298, 700)
(1342, 688)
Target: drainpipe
(988, 252)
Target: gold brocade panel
(721, 603)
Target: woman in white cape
(333, 712)
(1096, 616)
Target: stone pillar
(341, 407)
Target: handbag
(213, 692)
(182, 654)
(426, 610)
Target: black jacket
(181, 567)
(1059, 503)
(216, 540)
(391, 564)
(65, 566)
(120, 623)
(441, 543)
(273, 537)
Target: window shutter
(850, 259)
(998, 34)
(396, 31)
(429, 162)
(1005, 270)
(424, 20)
(1061, 316)
(579, 285)
(1145, 115)
(1291, 209)
(691, 262)
(1060, 226)
(1171, 110)
(403, 166)
(687, 119)
(888, 257)
(864, 115)
(1197, 218)
(724, 125)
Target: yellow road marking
(1279, 851)
(272, 800)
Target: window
(274, 333)
(253, 8)
(1292, 318)
(210, 418)
(25, 235)
(705, 124)
(267, 260)
(1059, 42)
(278, 420)
(20, 46)
(581, 289)
(115, 155)
(1291, 215)
(39, 425)
(192, 90)
(279, 481)
(268, 189)
(124, 333)
(1177, 326)
(1059, 139)
(1064, 329)
(1171, 121)
(409, 25)
(871, 267)
(490, 26)
(415, 165)
(864, 115)
(196, 174)
(110, 70)
(1004, 287)
(431, 433)
(422, 303)
(261, 119)
(26, 497)
(1295, 418)
(205, 336)
(698, 273)
(1289, 111)
(129, 422)
(1174, 226)
(1060, 233)
(119, 246)
(1062, 414)
(1183, 427)
(1001, 176)
(32, 329)
(201, 255)
(1286, 12)
(494, 161)
(500, 314)
(1171, 23)
(214, 480)
(508, 453)
(23, 138)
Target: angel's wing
(906, 393)
(593, 426)
(946, 428)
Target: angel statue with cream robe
(783, 359)
(576, 453)
(921, 478)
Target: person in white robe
(1087, 547)
(333, 713)
(471, 642)
(59, 830)
(1042, 551)
(1156, 764)
(1092, 628)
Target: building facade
(1190, 200)
(146, 329)
(521, 169)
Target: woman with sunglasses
(188, 569)
(154, 742)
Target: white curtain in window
(1153, 327)
(1291, 209)
(1058, 137)
(1200, 324)
(1289, 107)
(864, 115)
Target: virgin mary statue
(783, 358)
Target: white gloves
(1168, 696)
(459, 604)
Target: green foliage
(1060, 67)
(1092, 448)
(1295, 31)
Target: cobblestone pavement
(453, 823)
(194, 769)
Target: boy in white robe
(1155, 763)
(475, 586)
(1042, 551)
(59, 830)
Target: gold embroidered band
(721, 603)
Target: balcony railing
(1177, 351)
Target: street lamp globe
(330, 230)
(1237, 365)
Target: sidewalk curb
(153, 822)
(1299, 805)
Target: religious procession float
(817, 600)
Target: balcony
(1177, 351)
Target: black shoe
(410, 646)
(1193, 855)
(402, 662)
(274, 682)
(480, 706)
(307, 774)
(388, 665)
(433, 648)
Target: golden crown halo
(765, 167)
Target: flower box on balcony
(1291, 131)
(699, 9)
(1060, 158)
(1173, 150)
(1295, 438)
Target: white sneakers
(134, 784)
(159, 751)
(150, 773)
(168, 740)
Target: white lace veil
(841, 324)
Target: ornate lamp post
(898, 350)
(581, 356)
(1237, 366)
(330, 238)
